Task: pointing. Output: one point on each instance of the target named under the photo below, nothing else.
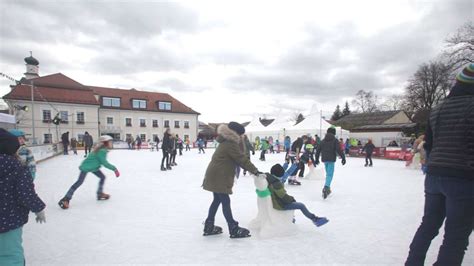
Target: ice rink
(156, 217)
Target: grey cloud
(176, 85)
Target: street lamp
(21, 108)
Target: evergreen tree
(346, 110)
(337, 114)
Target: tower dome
(32, 68)
(30, 60)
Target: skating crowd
(446, 153)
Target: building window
(110, 120)
(139, 104)
(155, 137)
(142, 123)
(80, 138)
(143, 137)
(64, 117)
(48, 138)
(166, 123)
(155, 123)
(186, 124)
(47, 116)
(111, 102)
(128, 122)
(80, 117)
(176, 124)
(164, 106)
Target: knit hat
(8, 143)
(277, 170)
(466, 75)
(17, 132)
(238, 128)
(332, 130)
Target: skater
(264, 148)
(277, 145)
(449, 181)
(347, 146)
(65, 141)
(92, 164)
(186, 141)
(129, 142)
(369, 149)
(174, 143)
(295, 159)
(180, 145)
(200, 144)
(17, 198)
(166, 149)
(328, 149)
(287, 145)
(157, 142)
(151, 145)
(88, 141)
(24, 153)
(74, 145)
(248, 147)
(219, 178)
(270, 145)
(138, 142)
(282, 201)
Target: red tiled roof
(152, 99)
(60, 88)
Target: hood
(225, 133)
(461, 89)
(329, 137)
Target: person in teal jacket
(92, 163)
(24, 153)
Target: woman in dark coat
(219, 178)
(369, 149)
(166, 147)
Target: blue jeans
(226, 209)
(300, 206)
(329, 167)
(80, 180)
(451, 199)
(288, 171)
(11, 249)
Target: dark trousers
(180, 151)
(165, 158)
(65, 146)
(80, 180)
(262, 155)
(173, 157)
(368, 158)
(451, 199)
(300, 206)
(187, 147)
(201, 149)
(87, 149)
(226, 209)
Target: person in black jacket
(65, 141)
(329, 148)
(166, 149)
(449, 183)
(294, 156)
(369, 149)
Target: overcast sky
(230, 60)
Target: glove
(253, 152)
(40, 217)
(343, 161)
(117, 173)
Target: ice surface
(156, 217)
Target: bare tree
(366, 102)
(394, 102)
(430, 84)
(459, 49)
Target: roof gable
(362, 119)
(57, 80)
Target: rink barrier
(46, 151)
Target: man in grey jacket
(88, 141)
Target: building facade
(36, 102)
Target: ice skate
(365, 165)
(294, 182)
(320, 221)
(239, 232)
(211, 229)
(168, 167)
(163, 168)
(103, 196)
(326, 192)
(64, 203)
